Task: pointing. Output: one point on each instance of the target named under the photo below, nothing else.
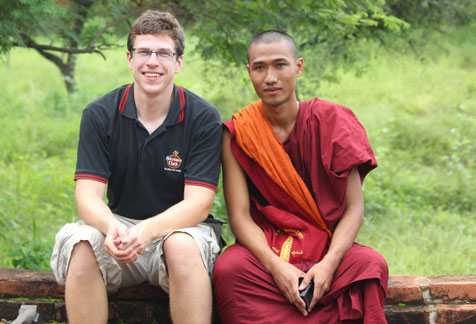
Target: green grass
(420, 118)
(419, 112)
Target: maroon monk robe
(326, 143)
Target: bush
(33, 253)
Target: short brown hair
(154, 22)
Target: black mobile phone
(306, 293)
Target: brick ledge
(410, 299)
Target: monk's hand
(322, 273)
(287, 277)
(113, 243)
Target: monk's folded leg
(245, 292)
(359, 263)
(374, 301)
(359, 286)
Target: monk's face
(273, 70)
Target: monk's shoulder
(327, 111)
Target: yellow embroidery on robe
(286, 249)
(287, 245)
(291, 230)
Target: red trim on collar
(124, 99)
(182, 103)
(122, 104)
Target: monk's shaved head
(273, 36)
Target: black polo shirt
(146, 173)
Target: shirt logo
(173, 160)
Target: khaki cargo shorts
(149, 267)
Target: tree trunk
(66, 69)
(68, 73)
(70, 83)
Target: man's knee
(181, 253)
(83, 262)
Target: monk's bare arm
(248, 233)
(342, 239)
(350, 223)
(238, 206)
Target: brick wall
(431, 299)
(410, 299)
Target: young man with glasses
(157, 148)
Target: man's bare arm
(94, 211)
(125, 245)
(91, 207)
(248, 233)
(192, 210)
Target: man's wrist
(148, 228)
(111, 224)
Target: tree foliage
(426, 17)
(325, 31)
(59, 30)
(433, 13)
(225, 27)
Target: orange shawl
(255, 136)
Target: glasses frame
(159, 57)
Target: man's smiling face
(152, 75)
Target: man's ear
(179, 64)
(129, 59)
(248, 68)
(300, 66)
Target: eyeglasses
(145, 53)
